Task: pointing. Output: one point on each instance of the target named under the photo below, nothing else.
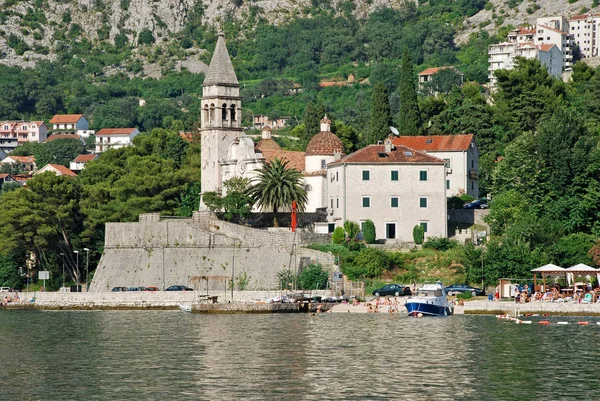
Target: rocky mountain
(32, 30)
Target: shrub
(440, 243)
(369, 232)
(418, 234)
(145, 37)
(455, 202)
(313, 277)
(352, 229)
(338, 236)
(370, 262)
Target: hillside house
(80, 161)
(426, 76)
(71, 124)
(28, 162)
(108, 138)
(57, 169)
(23, 131)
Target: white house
(460, 154)
(80, 161)
(28, 162)
(108, 138)
(426, 76)
(396, 187)
(71, 123)
(585, 31)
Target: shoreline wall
(164, 252)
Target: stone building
(394, 186)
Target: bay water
(171, 355)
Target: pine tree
(380, 114)
(312, 120)
(409, 117)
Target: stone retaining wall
(164, 252)
(143, 300)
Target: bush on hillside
(418, 234)
(339, 236)
(440, 243)
(369, 232)
(313, 277)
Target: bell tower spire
(221, 117)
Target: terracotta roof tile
(2, 176)
(62, 136)
(295, 159)
(324, 144)
(65, 118)
(435, 70)
(377, 154)
(60, 168)
(85, 158)
(115, 131)
(267, 144)
(23, 159)
(451, 143)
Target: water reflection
(154, 355)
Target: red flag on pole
(294, 222)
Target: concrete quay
(545, 308)
(150, 300)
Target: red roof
(582, 16)
(115, 131)
(377, 154)
(85, 158)
(526, 31)
(295, 159)
(267, 144)
(62, 136)
(66, 118)
(545, 47)
(3, 176)
(61, 169)
(435, 70)
(324, 144)
(448, 143)
(23, 159)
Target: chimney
(387, 145)
(337, 155)
(266, 133)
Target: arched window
(224, 113)
(212, 114)
(233, 114)
(206, 114)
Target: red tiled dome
(268, 144)
(324, 144)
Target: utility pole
(78, 278)
(87, 267)
(62, 256)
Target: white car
(4, 289)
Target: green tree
(444, 81)
(418, 234)
(369, 232)
(59, 151)
(380, 114)
(313, 115)
(276, 186)
(9, 273)
(352, 229)
(313, 277)
(338, 236)
(145, 37)
(409, 117)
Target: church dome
(324, 144)
(267, 144)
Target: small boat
(185, 307)
(430, 300)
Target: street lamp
(62, 256)
(87, 266)
(77, 253)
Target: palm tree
(276, 186)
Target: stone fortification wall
(468, 216)
(155, 252)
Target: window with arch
(224, 112)
(212, 113)
(206, 113)
(232, 113)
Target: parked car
(136, 289)
(5, 289)
(476, 204)
(393, 289)
(119, 289)
(179, 288)
(151, 288)
(462, 288)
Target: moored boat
(430, 300)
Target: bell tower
(221, 117)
